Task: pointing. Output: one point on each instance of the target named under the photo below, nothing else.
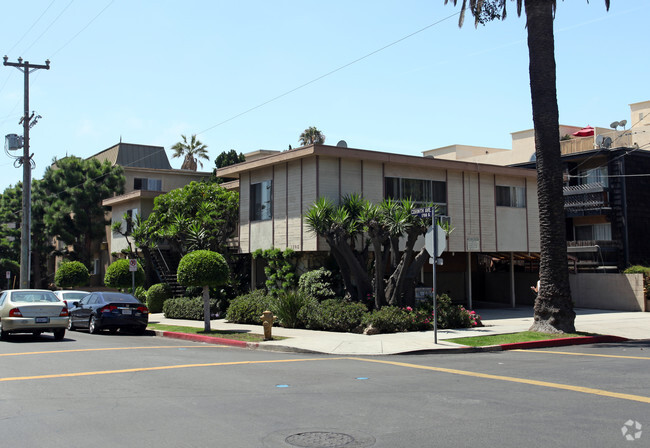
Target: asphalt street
(143, 391)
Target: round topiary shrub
(119, 276)
(157, 295)
(71, 273)
(203, 268)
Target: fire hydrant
(267, 322)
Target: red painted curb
(208, 339)
(559, 342)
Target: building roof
(133, 155)
(363, 154)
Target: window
(261, 206)
(422, 192)
(593, 176)
(131, 216)
(511, 196)
(96, 266)
(141, 183)
(594, 232)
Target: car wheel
(140, 330)
(92, 326)
(3, 334)
(71, 326)
(59, 333)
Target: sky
(389, 76)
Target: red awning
(584, 132)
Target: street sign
(133, 265)
(424, 212)
(440, 245)
(8, 275)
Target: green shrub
(187, 308)
(71, 273)
(287, 305)
(202, 268)
(280, 269)
(391, 319)
(141, 294)
(119, 276)
(248, 308)
(637, 269)
(317, 284)
(332, 315)
(157, 295)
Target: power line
(84, 28)
(30, 28)
(48, 27)
(329, 73)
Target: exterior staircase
(165, 264)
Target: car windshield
(118, 297)
(73, 296)
(33, 296)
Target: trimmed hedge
(157, 295)
(71, 273)
(332, 315)
(248, 308)
(187, 308)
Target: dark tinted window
(119, 297)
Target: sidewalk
(628, 325)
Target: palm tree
(192, 152)
(310, 136)
(553, 307)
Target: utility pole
(26, 161)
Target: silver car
(70, 296)
(32, 311)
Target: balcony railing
(586, 199)
(582, 144)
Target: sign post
(435, 244)
(133, 267)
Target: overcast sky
(382, 75)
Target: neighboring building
(492, 209)
(606, 193)
(148, 174)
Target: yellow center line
(583, 354)
(109, 349)
(148, 369)
(585, 390)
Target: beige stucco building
(492, 209)
(148, 174)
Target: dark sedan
(109, 310)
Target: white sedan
(70, 296)
(32, 311)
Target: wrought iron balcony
(588, 199)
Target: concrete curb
(545, 343)
(561, 342)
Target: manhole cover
(319, 439)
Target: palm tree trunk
(553, 307)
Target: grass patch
(510, 338)
(225, 334)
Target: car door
(81, 313)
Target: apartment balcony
(594, 255)
(617, 139)
(585, 200)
